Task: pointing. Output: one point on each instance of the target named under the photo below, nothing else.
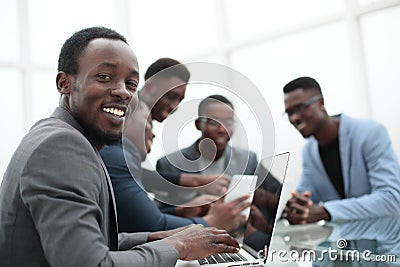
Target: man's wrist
(324, 212)
(317, 213)
(188, 180)
(179, 211)
(154, 236)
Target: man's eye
(131, 85)
(213, 122)
(104, 77)
(172, 96)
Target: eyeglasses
(300, 108)
(216, 123)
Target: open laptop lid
(271, 173)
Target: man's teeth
(114, 111)
(301, 125)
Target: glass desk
(372, 242)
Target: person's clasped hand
(301, 210)
(297, 208)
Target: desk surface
(373, 242)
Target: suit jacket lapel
(230, 162)
(316, 158)
(345, 155)
(192, 153)
(64, 115)
(112, 211)
(228, 156)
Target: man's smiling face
(107, 78)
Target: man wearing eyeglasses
(210, 161)
(350, 170)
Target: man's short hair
(212, 99)
(179, 71)
(305, 83)
(77, 43)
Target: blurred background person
(211, 160)
(165, 87)
(350, 170)
(136, 211)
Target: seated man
(210, 158)
(56, 199)
(165, 87)
(135, 210)
(350, 170)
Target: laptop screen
(270, 173)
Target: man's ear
(321, 103)
(198, 124)
(64, 83)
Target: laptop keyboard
(221, 258)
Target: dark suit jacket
(136, 212)
(237, 161)
(57, 208)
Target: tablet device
(241, 185)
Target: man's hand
(317, 213)
(196, 242)
(215, 184)
(227, 216)
(298, 208)
(198, 207)
(301, 210)
(153, 236)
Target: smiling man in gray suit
(56, 200)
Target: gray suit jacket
(236, 161)
(57, 206)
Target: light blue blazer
(371, 173)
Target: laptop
(258, 231)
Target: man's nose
(174, 104)
(296, 116)
(221, 127)
(122, 92)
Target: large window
(382, 41)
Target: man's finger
(239, 199)
(307, 194)
(298, 209)
(301, 199)
(242, 206)
(226, 239)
